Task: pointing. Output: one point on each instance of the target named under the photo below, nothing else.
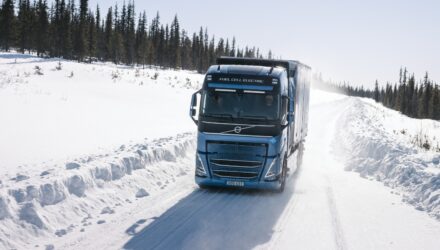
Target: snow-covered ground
(84, 109)
(373, 144)
(73, 139)
(104, 160)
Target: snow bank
(82, 142)
(83, 108)
(55, 203)
(368, 139)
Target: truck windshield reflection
(240, 104)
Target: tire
(283, 176)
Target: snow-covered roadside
(369, 144)
(80, 143)
(89, 190)
(81, 109)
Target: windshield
(241, 104)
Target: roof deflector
(253, 61)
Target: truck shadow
(217, 219)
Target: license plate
(235, 183)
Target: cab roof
(250, 70)
(290, 65)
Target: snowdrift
(54, 109)
(69, 197)
(371, 142)
(81, 142)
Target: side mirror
(289, 119)
(194, 99)
(193, 112)
(193, 107)
(284, 104)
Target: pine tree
(82, 41)
(398, 98)
(54, 23)
(227, 49)
(201, 51)
(108, 36)
(7, 24)
(205, 54)
(382, 95)
(232, 53)
(376, 91)
(142, 40)
(92, 34)
(118, 52)
(212, 54)
(65, 29)
(269, 55)
(434, 106)
(186, 51)
(405, 72)
(128, 30)
(402, 97)
(160, 50)
(77, 33)
(400, 75)
(410, 107)
(194, 50)
(415, 103)
(155, 39)
(24, 25)
(99, 35)
(166, 53)
(42, 28)
(425, 97)
(175, 43)
(220, 51)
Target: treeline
(78, 33)
(417, 99)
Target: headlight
(272, 173)
(200, 168)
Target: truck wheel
(283, 176)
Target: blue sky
(356, 41)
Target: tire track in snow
(334, 119)
(338, 233)
(284, 219)
(179, 223)
(169, 216)
(197, 241)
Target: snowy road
(323, 207)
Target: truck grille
(235, 174)
(232, 160)
(236, 163)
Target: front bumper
(261, 185)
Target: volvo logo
(237, 130)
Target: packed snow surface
(103, 158)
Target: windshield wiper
(219, 115)
(257, 117)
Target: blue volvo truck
(251, 116)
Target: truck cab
(250, 118)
